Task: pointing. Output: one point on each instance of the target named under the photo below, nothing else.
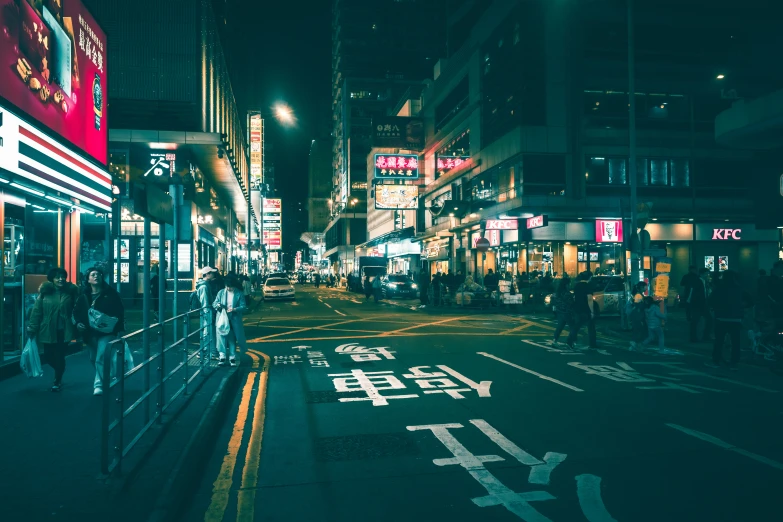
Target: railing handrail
(114, 357)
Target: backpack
(194, 301)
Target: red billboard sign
(609, 231)
(502, 224)
(53, 67)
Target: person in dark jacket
(104, 299)
(563, 304)
(424, 287)
(51, 320)
(729, 302)
(696, 300)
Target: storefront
(436, 256)
(738, 247)
(45, 192)
(404, 257)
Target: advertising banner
(396, 166)
(53, 67)
(398, 133)
(609, 231)
(256, 134)
(396, 197)
(273, 239)
(445, 164)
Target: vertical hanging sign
(256, 135)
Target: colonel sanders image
(610, 231)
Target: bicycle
(766, 341)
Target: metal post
(176, 196)
(105, 413)
(145, 313)
(118, 359)
(249, 232)
(185, 343)
(161, 319)
(2, 274)
(632, 137)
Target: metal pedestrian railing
(166, 373)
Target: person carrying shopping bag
(100, 317)
(50, 320)
(230, 329)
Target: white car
(279, 288)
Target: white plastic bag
(128, 358)
(31, 361)
(223, 325)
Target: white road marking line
(528, 370)
(327, 304)
(725, 445)
(685, 371)
(339, 312)
(588, 489)
(539, 471)
(356, 301)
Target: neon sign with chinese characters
(446, 164)
(397, 166)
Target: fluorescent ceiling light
(86, 211)
(3, 180)
(28, 189)
(59, 201)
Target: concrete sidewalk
(51, 445)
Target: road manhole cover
(365, 447)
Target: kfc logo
(537, 222)
(501, 224)
(609, 231)
(723, 234)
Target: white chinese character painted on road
(287, 359)
(498, 494)
(317, 359)
(438, 382)
(371, 383)
(362, 353)
(625, 373)
(300, 348)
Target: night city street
(521, 430)
(391, 260)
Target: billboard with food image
(53, 68)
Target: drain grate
(365, 447)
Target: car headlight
(414, 286)
(393, 285)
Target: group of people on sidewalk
(62, 312)
(95, 313)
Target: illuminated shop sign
(609, 231)
(502, 224)
(493, 236)
(397, 166)
(396, 197)
(161, 164)
(727, 234)
(446, 164)
(537, 222)
(32, 156)
(256, 133)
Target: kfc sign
(537, 222)
(608, 231)
(725, 234)
(501, 224)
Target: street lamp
(284, 114)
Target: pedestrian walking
(247, 290)
(51, 323)
(654, 317)
(637, 317)
(563, 303)
(686, 283)
(583, 310)
(367, 288)
(317, 279)
(205, 294)
(424, 287)
(231, 300)
(437, 281)
(697, 304)
(100, 317)
(376, 288)
(729, 301)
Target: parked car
(398, 285)
(279, 288)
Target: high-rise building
(379, 49)
(319, 188)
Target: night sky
(281, 52)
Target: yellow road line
(305, 329)
(416, 334)
(421, 325)
(518, 328)
(246, 497)
(221, 488)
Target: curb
(194, 455)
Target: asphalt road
(351, 410)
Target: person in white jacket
(206, 297)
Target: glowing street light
(284, 114)
(721, 76)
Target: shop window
(641, 172)
(680, 173)
(659, 172)
(618, 171)
(597, 171)
(543, 174)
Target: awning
(391, 237)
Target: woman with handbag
(100, 317)
(50, 320)
(230, 329)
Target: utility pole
(635, 242)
